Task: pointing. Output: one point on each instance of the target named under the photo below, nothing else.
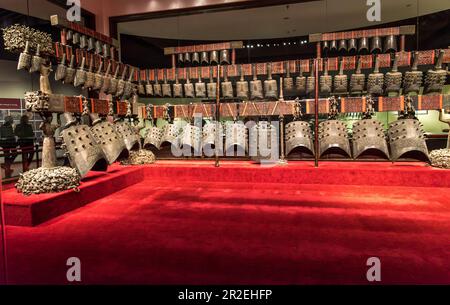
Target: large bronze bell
(375, 47)
(342, 45)
(351, 48)
(390, 44)
(363, 45)
(214, 57)
(204, 58)
(224, 57)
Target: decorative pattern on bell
(393, 78)
(333, 135)
(236, 137)
(435, 79)
(111, 142)
(299, 136)
(413, 79)
(406, 137)
(82, 150)
(358, 80)
(130, 137)
(369, 134)
(153, 138)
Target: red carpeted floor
(180, 226)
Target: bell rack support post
(218, 136)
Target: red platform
(190, 223)
(32, 210)
(36, 209)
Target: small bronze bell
(390, 44)
(376, 45)
(91, 44)
(325, 46)
(363, 45)
(204, 58)
(352, 45)
(196, 58)
(333, 46)
(343, 45)
(180, 58)
(214, 57)
(76, 38)
(187, 58)
(224, 57)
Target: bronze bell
(204, 58)
(333, 45)
(91, 44)
(351, 45)
(342, 45)
(376, 45)
(187, 58)
(196, 58)
(224, 57)
(76, 38)
(363, 45)
(390, 44)
(180, 58)
(326, 46)
(69, 35)
(214, 57)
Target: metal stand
(218, 137)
